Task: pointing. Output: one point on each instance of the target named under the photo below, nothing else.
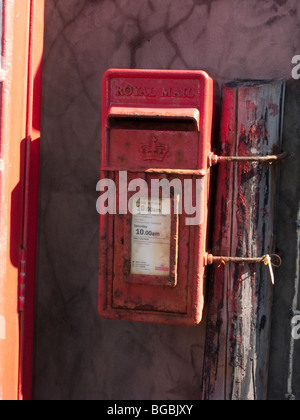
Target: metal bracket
(273, 260)
(276, 261)
(270, 159)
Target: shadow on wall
(23, 234)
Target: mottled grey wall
(289, 203)
(78, 355)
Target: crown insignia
(153, 150)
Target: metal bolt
(294, 312)
(290, 397)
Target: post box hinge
(22, 280)
(269, 159)
(23, 248)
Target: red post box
(153, 205)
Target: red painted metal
(20, 132)
(184, 114)
(13, 116)
(30, 215)
(156, 126)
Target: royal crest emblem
(153, 150)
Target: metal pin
(294, 312)
(268, 262)
(290, 397)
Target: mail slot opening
(154, 119)
(133, 123)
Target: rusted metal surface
(275, 260)
(240, 295)
(155, 143)
(263, 159)
(197, 172)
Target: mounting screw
(290, 397)
(294, 312)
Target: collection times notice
(150, 239)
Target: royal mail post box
(153, 201)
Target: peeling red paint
(240, 294)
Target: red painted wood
(239, 309)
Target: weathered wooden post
(240, 294)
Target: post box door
(147, 258)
